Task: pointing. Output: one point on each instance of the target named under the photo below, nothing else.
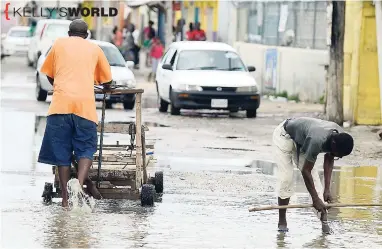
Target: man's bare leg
(84, 165)
(282, 214)
(64, 175)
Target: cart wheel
(47, 194)
(147, 195)
(159, 182)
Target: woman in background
(156, 54)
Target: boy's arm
(102, 73)
(328, 169)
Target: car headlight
(185, 87)
(246, 89)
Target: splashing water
(78, 200)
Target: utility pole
(168, 26)
(334, 91)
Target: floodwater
(204, 205)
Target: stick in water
(255, 209)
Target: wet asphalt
(212, 175)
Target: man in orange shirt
(73, 66)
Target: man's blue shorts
(65, 134)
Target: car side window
(166, 54)
(173, 58)
(169, 57)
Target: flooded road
(208, 189)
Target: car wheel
(41, 94)
(251, 113)
(30, 63)
(174, 110)
(128, 105)
(108, 105)
(162, 105)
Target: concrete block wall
(299, 71)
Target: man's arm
(48, 67)
(308, 179)
(328, 169)
(102, 74)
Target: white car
(205, 75)
(47, 30)
(16, 41)
(120, 71)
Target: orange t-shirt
(76, 65)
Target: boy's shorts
(65, 134)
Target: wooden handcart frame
(112, 179)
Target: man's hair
(78, 27)
(344, 143)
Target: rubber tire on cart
(174, 110)
(129, 105)
(159, 182)
(41, 94)
(147, 195)
(47, 194)
(251, 113)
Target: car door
(45, 84)
(169, 74)
(160, 76)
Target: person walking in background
(149, 34)
(134, 44)
(189, 33)
(156, 54)
(198, 34)
(117, 38)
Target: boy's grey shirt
(311, 135)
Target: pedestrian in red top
(156, 54)
(189, 33)
(199, 34)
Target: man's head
(151, 23)
(341, 144)
(78, 28)
(191, 26)
(115, 29)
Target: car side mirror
(129, 64)
(89, 35)
(251, 68)
(167, 67)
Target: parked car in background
(47, 30)
(120, 70)
(205, 75)
(16, 41)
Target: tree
(334, 91)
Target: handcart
(119, 170)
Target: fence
(301, 24)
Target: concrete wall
(299, 71)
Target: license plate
(219, 103)
(100, 96)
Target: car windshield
(19, 33)
(55, 31)
(113, 55)
(210, 60)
